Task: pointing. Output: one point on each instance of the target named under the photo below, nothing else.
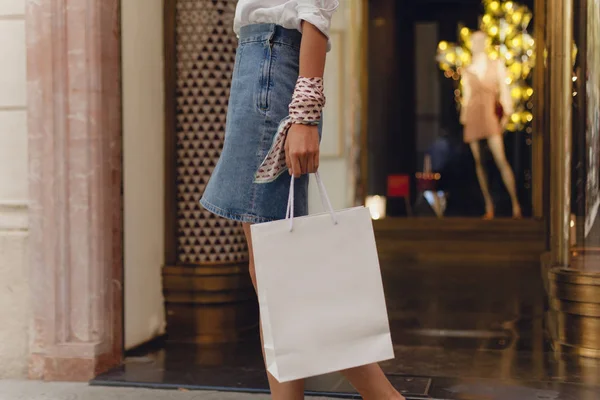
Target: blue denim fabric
(264, 77)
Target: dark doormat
(151, 373)
(146, 372)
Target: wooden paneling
(466, 240)
(170, 68)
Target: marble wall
(74, 131)
(341, 116)
(14, 283)
(143, 168)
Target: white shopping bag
(320, 292)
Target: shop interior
(465, 293)
(415, 101)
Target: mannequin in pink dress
(483, 87)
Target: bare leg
(482, 178)
(496, 144)
(279, 391)
(368, 380)
(371, 383)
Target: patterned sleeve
(317, 13)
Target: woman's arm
(312, 51)
(302, 142)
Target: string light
(508, 40)
(505, 23)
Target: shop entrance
(465, 294)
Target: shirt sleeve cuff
(313, 16)
(310, 12)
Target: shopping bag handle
(289, 214)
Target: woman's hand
(302, 141)
(302, 149)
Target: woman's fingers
(310, 163)
(304, 163)
(302, 150)
(288, 159)
(296, 166)
(313, 162)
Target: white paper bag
(320, 292)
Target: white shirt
(286, 13)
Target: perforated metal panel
(205, 57)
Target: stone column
(74, 124)
(560, 62)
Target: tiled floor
(461, 332)
(36, 390)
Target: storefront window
(422, 156)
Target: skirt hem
(233, 216)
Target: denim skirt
(264, 77)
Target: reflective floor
(460, 332)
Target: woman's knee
(252, 272)
(251, 268)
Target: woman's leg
(371, 383)
(482, 178)
(279, 391)
(496, 144)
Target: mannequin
(483, 87)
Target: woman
(273, 125)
